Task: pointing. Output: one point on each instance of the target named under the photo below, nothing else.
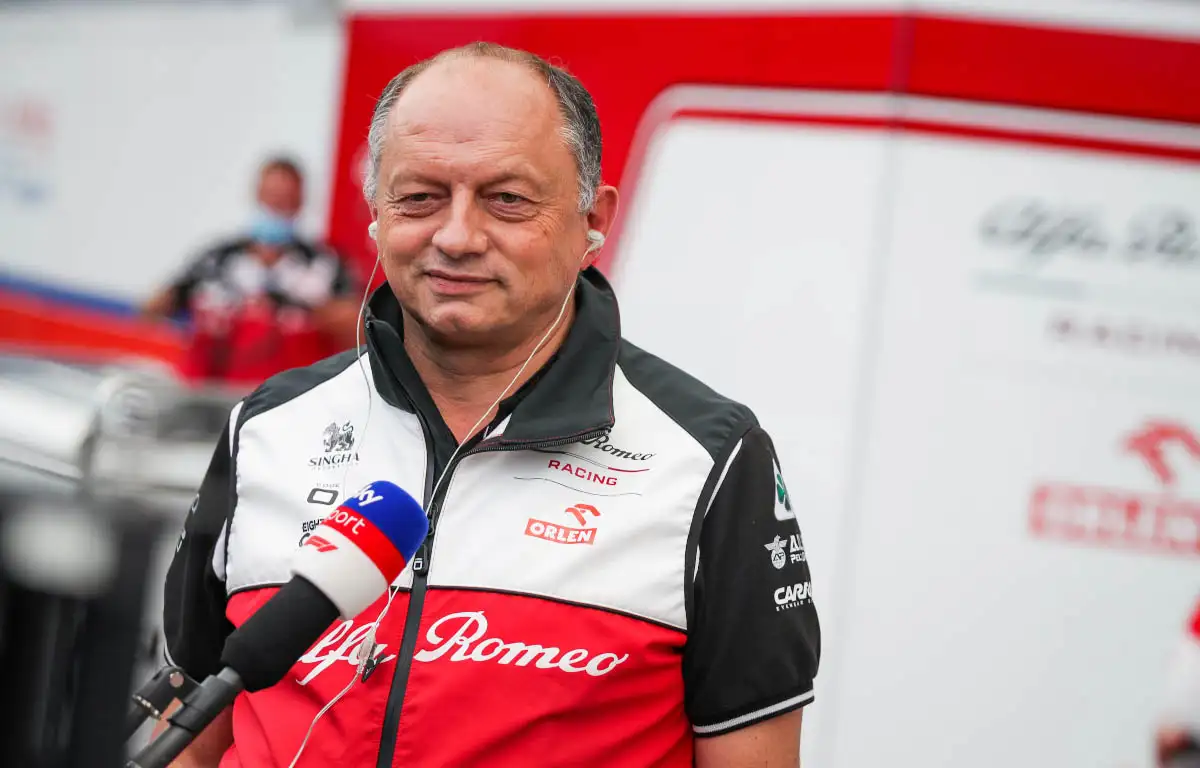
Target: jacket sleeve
(194, 596)
(754, 640)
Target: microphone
(343, 567)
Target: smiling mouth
(450, 276)
(448, 283)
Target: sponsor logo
(338, 444)
(792, 596)
(796, 549)
(580, 511)
(1131, 337)
(307, 528)
(586, 475)
(778, 556)
(466, 635)
(325, 497)
(321, 543)
(1158, 521)
(783, 500)
(1041, 232)
(345, 642)
(601, 443)
(562, 534)
(337, 438)
(583, 473)
(349, 522)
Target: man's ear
(601, 218)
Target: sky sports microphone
(344, 566)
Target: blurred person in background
(1177, 742)
(264, 300)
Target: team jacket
(613, 568)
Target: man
(614, 574)
(1177, 740)
(266, 300)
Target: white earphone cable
(358, 346)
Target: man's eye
(508, 198)
(417, 197)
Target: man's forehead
(474, 99)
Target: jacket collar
(569, 398)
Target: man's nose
(461, 234)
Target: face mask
(270, 228)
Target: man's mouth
(456, 283)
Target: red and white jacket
(614, 567)
(1182, 705)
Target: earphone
(595, 241)
(373, 229)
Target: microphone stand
(149, 701)
(200, 708)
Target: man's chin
(462, 328)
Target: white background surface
(745, 260)
(159, 116)
(760, 259)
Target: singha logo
(1151, 441)
(338, 438)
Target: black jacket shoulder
(708, 416)
(290, 384)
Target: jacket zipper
(416, 600)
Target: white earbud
(373, 229)
(596, 239)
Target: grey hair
(580, 129)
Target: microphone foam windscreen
(362, 546)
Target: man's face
(479, 228)
(281, 192)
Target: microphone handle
(153, 698)
(211, 698)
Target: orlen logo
(467, 639)
(563, 534)
(1150, 444)
(1110, 516)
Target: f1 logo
(320, 542)
(578, 511)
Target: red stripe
(643, 54)
(367, 537)
(1195, 623)
(1091, 71)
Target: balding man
(614, 575)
